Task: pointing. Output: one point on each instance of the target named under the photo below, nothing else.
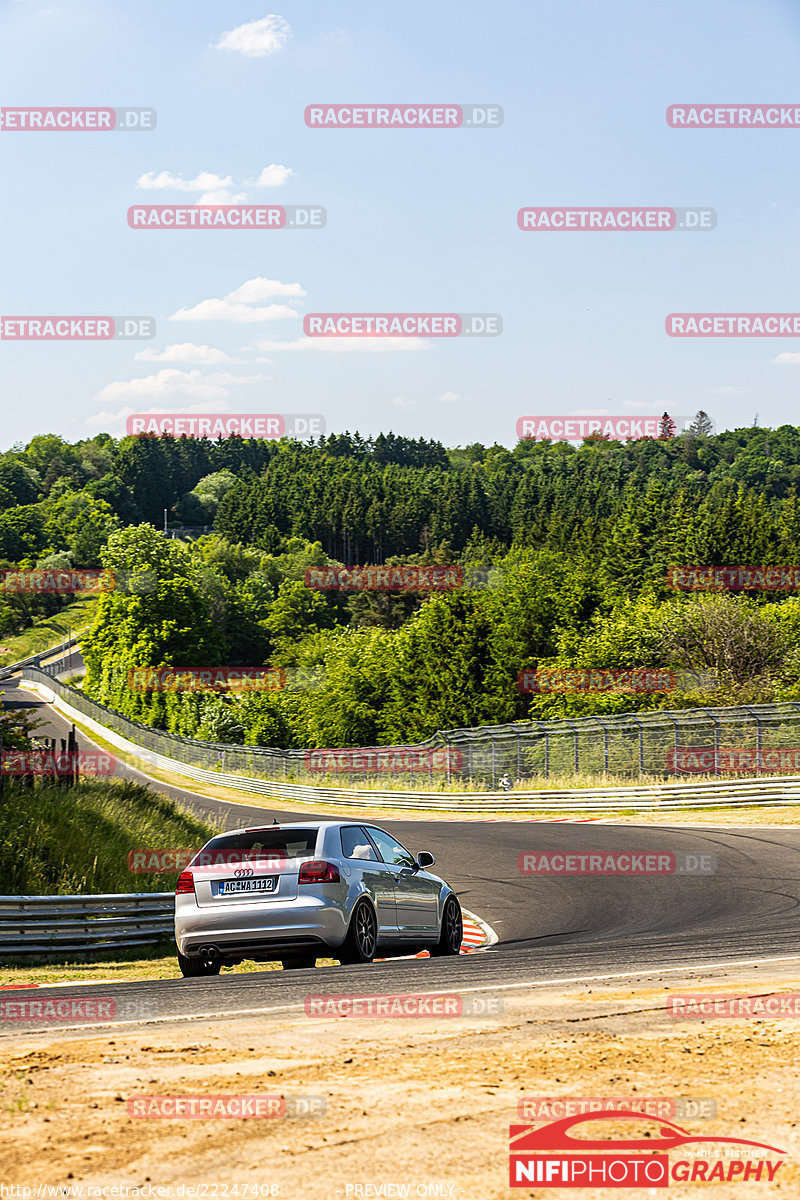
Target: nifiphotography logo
(580, 1159)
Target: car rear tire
(362, 937)
(452, 933)
(192, 967)
(298, 962)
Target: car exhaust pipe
(209, 955)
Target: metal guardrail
(629, 745)
(599, 801)
(188, 531)
(35, 659)
(49, 924)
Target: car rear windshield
(293, 843)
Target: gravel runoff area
(408, 1106)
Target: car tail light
(185, 885)
(318, 871)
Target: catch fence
(757, 740)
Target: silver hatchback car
(315, 889)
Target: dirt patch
(424, 1103)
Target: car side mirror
(425, 859)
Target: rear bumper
(254, 948)
(241, 929)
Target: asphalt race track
(548, 928)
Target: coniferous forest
(567, 549)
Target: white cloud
(204, 181)
(256, 39)
(399, 402)
(223, 197)
(648, 405)
(785, 359)
(215, 189)
(184, 352)
(272, 176)
(110, 418)
(449, 397)
(348, 345)
(170, 382)
(253, 291)
(240, 314)
(237, 306)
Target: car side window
(390, 851)
(356, 844)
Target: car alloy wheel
(452, 929)
(362, 937)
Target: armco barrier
(629, 745)
(51, 924)
(769, 791)
(33, 660)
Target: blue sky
(418, 221)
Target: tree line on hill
(574, 542)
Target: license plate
(235, 887)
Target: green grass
(58, 841)
(118, 966)
(49, 632)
